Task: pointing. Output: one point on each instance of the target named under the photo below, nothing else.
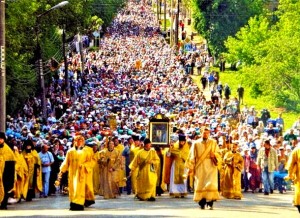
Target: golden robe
(21, 176)
(6, 154)
(101, 175)
(71, 164)
(79, 164)
(293, 167)
(222, 168)
(134, 174)
(204, 170)
(145, 163)
(96, 174)
(122, 172)
(178, 186)
(34, 165)
(86, 166)
(234, 164)
(110, 162)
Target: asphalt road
(252, 205)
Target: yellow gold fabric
(101, 175)
(121, 172)
(293, 167)
(96, 174)
(6, 154)
(146, 164)
(71, 164)
(234, 164)
(134, 173)
(32, 159)
(110, 163)
(205, 172)
(80, 164)
(87, 163)
(21, 176)
(179, 156)
(222, 167)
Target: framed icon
(159, 130)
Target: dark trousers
(128, 181)
(53, 178)
(4, 202)
(246, 181)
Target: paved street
(252, 205)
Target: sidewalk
(197, 39)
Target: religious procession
(137, 125)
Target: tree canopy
(23, 30)
(270, 54)
(215, 20)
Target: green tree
(247, 45)
(107, 9)
(21, 38)
(20, 70)
(215, 20)
(274, 61)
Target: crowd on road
(100, 134)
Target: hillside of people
(100, 139)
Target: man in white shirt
(47, 160)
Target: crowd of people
(98, 138)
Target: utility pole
(67, 84)
(160, 9)
(157, 9)
(171, 24)
(2, 68)
(40, 60)
(177, 24)
(41, 80)
(165, 15)
(81, 52)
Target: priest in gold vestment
(33, 161)
(121, 171)
(202, 163)
(87, 163)
(234, 164)
(137, 148)
(178, 154)
(96, 170)
(79, 164)
(145, 163)
(21, 175)
(110, 162)
(7, 171)
(293, 167)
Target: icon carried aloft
(159, 130)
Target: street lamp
(59, 5)
(40, 61)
